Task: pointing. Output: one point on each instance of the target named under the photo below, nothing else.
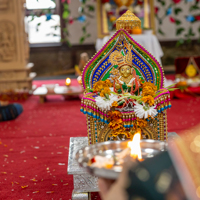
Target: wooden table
(43, 92)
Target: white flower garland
(144, 111)
(106, 104)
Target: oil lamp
(106, 159)
(68, 82)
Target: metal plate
(149, 148)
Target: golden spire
(128, 21)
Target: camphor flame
(68, 82)
(135, 147)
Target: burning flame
(135, 147)
(68, 82)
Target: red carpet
(34, 147)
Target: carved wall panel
(7, 41)
(14, 47)
(13, 75)
(4, 5)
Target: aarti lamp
(68, 82)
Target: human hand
(115, 190)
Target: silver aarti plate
(109, 149)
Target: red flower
(172, 19)
(197, 17)
(156, 10)
(140, 2)
(110, 13)
(71, 20)
(104, 1)
(176, 1)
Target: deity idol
(125, 74)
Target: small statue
(83, 61)
(126, 73)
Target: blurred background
(44, 45)
(60, 30)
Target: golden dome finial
(128, 21)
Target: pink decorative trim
(89, 99)
(162, 94)
(128, 112)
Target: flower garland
(111, 105)
(108, 100)
(116, 124)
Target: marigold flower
(148, 89)
(98, 86)
(108, 83)
(101, 85)
(114, 104)
(141, 122)
(106, 90)
(148, 99)
(181, 84)
(115, 126)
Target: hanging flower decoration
(71, 20)
(169, 11)
(190, 18)
(48, 16)
(176, 1)
(148, 89)
(105, 1)
(172, 20)
(144, 111)
(141, 123)
(148, 99)
(156, 9)
(183, 33)
(197, 17)
(105, 103)
(82, 18)
(116, 125)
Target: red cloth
(189, 93)
(33, 145)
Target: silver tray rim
(110, 173)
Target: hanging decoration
(84, 11)
(174, 12)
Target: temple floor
(34, 147)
